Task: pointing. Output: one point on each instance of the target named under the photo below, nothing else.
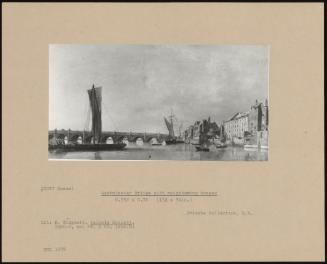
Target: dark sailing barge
(172, 139)
(95, 98)
(203, 140)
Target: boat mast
(93, 112)
(171, 122)
(95, 103)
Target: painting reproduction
(158, 102)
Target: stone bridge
(75, 136)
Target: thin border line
(155, 195)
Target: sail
(95, 104)
(203, 137)
(170, 127)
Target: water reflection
(146, 151)
(97, 155)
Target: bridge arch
(152, 140)
(134, 138)
(58, 137)
(119, 138)
(139, 141)
(109, 140)
(77, 138)
(88, 139)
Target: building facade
(237, 125)
(204, 127)
(196, 130)
(188, 133)
(258, 117)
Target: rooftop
(238, 116)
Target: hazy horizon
(142, 83)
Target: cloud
(142, 83)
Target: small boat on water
(202, 148)
(195, 142)
(203, 142)
(221, 145)
(95, 98)
(251, 146)
(156, 144)
(173, 141)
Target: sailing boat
(95, 98)
(203, 140)
(203, 144)
(172, 139)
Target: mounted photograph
(158, 102)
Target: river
(168, 152)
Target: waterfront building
(258, 125)
(214, 129)
(196, 130)
(188, 133)
(258, 117)
(222, 130)
(265, 115)
(204, 127)
(209, 128)
(237, 125)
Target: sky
(143, 83)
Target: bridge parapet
(72, 136)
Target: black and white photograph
(177, 132)
(158, 102)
